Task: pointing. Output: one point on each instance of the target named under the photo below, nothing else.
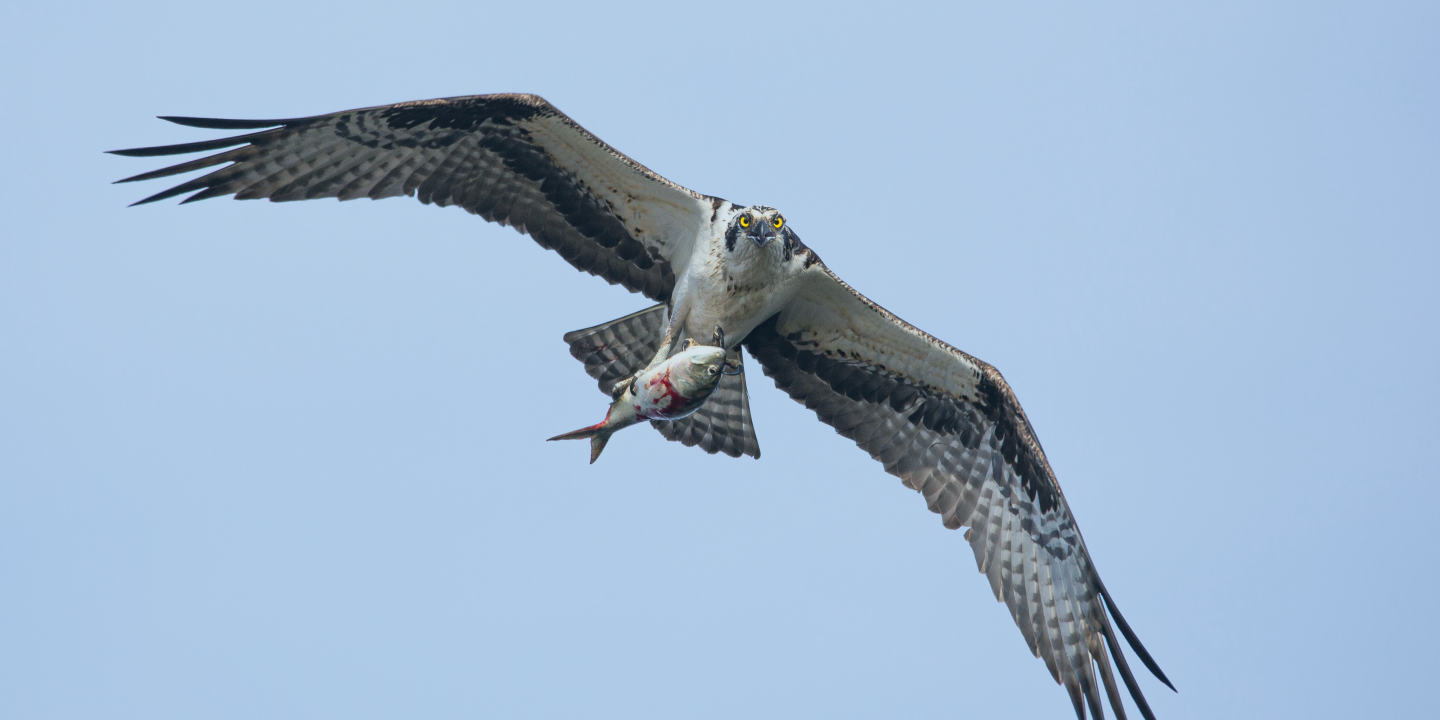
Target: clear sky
(288, 461)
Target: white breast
(733, 289)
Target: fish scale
(671, 390)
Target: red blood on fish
(672, 390)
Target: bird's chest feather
(737, 289)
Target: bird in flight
(945, 423)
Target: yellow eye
(745, 221)
(779, 221)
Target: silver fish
(670, 390)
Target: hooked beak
(761, 235)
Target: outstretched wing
(511, 159)
(949, 427)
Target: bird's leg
(732, 364)
(732, 357)
(620, 388)
(673, 330)
(662, 352)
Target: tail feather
(598, 434)
(615, 350)
(618, 349)
(722, 424)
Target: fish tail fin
(598, 434)
(597, 445)
(580, 434)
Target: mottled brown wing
(511, 159)
(950, 428)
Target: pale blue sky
(288, 461)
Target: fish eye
(779, 221)
(745, 220)
(712, 370)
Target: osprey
(942, 421)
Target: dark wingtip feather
(223, 124)
(183, 148)
(172, 192)
(1134, 641)
(206, 194)
(148, 200)
(201, 163)
(1126, 675)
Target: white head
(765, 228)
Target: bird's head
(757, 224)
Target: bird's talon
(620, 387)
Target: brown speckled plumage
(493, 155)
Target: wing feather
(950, 428)
(512, 159)
(365, 176)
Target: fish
(670, 390)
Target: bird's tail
(617, 349)
(620, 348)
(598, 433)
